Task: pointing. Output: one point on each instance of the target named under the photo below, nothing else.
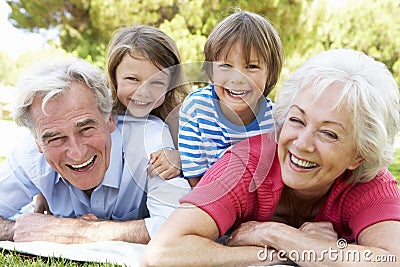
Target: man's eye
(55, 141)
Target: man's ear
(356, 162)
(39, 147)
(111, 124)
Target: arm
(186, 238)
(6, 230)
(40, 227)
(375, 241)
(165, 163)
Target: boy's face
(239, 86)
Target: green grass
(395, 167)
(15, 259)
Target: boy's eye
(224, 65)
(252, 66)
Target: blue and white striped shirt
(205, 133)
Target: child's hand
(165, 163)
(41, 205)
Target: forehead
(65, 109)
(239, 49)
(141, 65)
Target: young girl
(243, 60)
(145, 75)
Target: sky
(14, 41)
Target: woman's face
(141, 86)
(315, 145)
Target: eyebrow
(85, 122)
(49, 135)
(331, 122)
(77, 124)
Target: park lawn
(14, 259)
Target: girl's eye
(158, 83)
(132, 79)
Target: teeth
(140, 103)
(302, 163)
(237, 93)
(83, 164)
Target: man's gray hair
(49, 79)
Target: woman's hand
(248, 234)
(165, 163)
(322, 230)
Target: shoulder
(199, 97)
(150, 133)
(27, 160)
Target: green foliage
(394, 168)
(306, 26)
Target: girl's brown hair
(153, 44)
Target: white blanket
(116, 252)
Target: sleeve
(223, 192)
(373, 202)
(190, 143)
(162, 199)
(16, 174)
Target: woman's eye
(295, 120)
(330, 134)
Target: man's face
(74, 136)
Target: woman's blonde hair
(369, 92)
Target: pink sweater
(246, 184)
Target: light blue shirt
(205, 133)
(126, 192)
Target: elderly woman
(320, 195)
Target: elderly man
(91, 167)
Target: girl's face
(238, 85)
(316, 145)
(141, 86)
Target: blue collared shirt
(126, 192)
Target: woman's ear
(356, 162)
